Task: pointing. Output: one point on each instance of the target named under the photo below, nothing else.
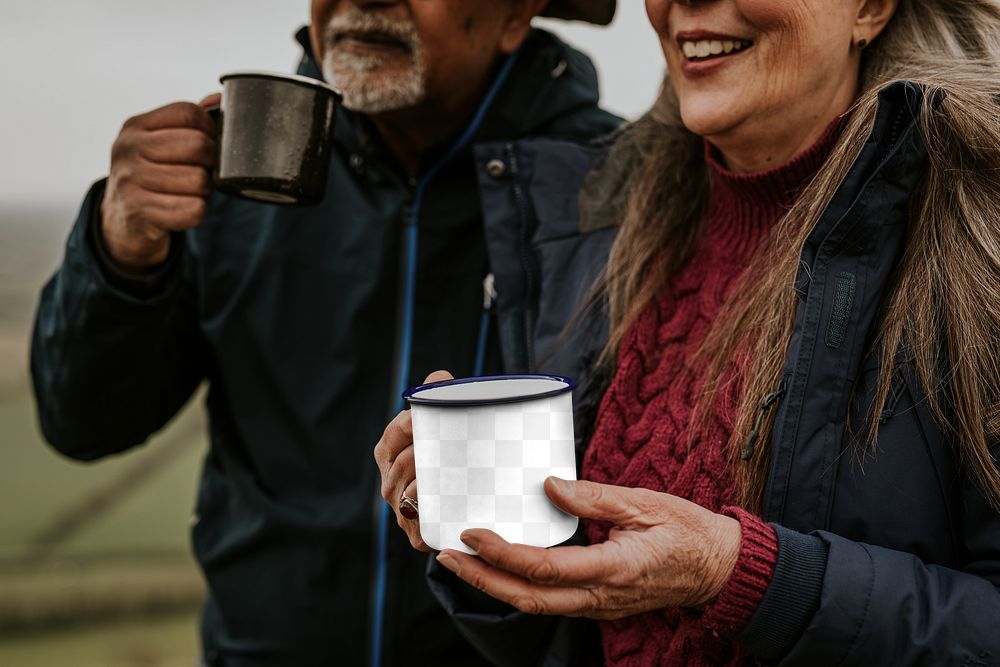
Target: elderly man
(308, 323)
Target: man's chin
(371, 103)
(374, 96)
(372, 88)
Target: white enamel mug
(483, 446)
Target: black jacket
(891, 561)
(308, 324)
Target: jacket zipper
(527, 265)
(383, 512)
(750, 447)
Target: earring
(862, 43)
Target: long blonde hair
(943, 308)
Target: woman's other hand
(663, 551)
(394, 456)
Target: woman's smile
(703, 52)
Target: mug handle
(215, 111)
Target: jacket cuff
(740, 597)
(142, 285)
(792, 598)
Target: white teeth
(711, 47)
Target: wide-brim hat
(592, 11)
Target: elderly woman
(795, 459)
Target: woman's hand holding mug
(394, 455)
(663, 551)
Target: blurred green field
(166, 641)
(95, 563)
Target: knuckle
(398, 429)
(597, 493)
(595, 600)
(544, 571)
(392, 429)
(528, 604)
(120, 149)
(190, 180)
(123, 173)
(188, 114)
(152, 232)
(146, 150)
(204, 184)
(132, 121)
(204, 146)
(647, 505)
(198, 209)
(133, 208)
(383, 442)
(621, 576)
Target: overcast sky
(73, 70)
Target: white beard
(375, 83)
(368, 88)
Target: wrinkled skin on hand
(160, 179)
(663, 551)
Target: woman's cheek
(779, 15)
(658, 11)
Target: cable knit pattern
(639, 439)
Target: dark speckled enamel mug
(276, 137)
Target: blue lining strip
(402, 381)
(484, 330)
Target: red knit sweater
(639, 437)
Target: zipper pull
(751, 444)
(489, 291)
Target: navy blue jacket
(307, 323)
(893, 560)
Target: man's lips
(371, 40)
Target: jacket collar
(890, 158)
(548, 80)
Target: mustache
(372, 25)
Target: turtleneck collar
(744, 206)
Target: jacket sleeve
(113, 357)
(878, 606)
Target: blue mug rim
(408, 395)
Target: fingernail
(448, 562)
(470, 541)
